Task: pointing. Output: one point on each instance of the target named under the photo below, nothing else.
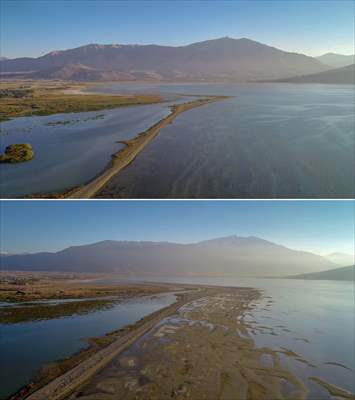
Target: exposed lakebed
(309, 323)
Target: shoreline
(128, 361)
(125, 156)
(86, 363)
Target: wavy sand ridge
(133, 147)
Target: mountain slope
(337, 274)
(222, 59)
(341, 259)
(238, 256)
(336, 60)
(340, 76)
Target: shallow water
(25, 347)
(268, 140)
(70, 153)
(315, 319)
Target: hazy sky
(33, 28)
(318, 226)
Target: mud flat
(207, 355)
(201, 347)
(133, 147)
(82, 366)
(197, 348)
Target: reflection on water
(25, 347)
(70, 149)
(268, 140)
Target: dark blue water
(26, 347)
(268, 140)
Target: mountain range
(337, 274)
(339, 76)
(341, 259)
(336, 60)
(224, 59)
(227, 256)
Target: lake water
(25, 347)
(266, 141)
(72, 153)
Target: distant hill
(338, 274)
(336, 60)
(235, 256)
(341, 259)
(224, 59)
(340, 76)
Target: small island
(15, 153)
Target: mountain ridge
(237, 256)
(335, 274)
(336, 60)
(222, 59)
(338, 76)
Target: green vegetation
(75, 121)
(15, 93)
(16, 153)
(45, 102)
(40, 311)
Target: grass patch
(37, 312)
(46, 99)
(16, 153)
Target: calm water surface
(25, 347)
(267, 140)
(70, 153)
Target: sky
(35, 27)
(318, 226)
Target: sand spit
(133, 147)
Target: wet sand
(198, 348)
(133, 147)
